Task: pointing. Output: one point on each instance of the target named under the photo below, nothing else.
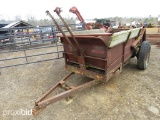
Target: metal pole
(75, 50)
(58, 10)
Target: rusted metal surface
(158, 44)
(75, 11)
(153, 38)
(38, 108)
(60, 29)
(58, 10)
(53, 88)
(87, 26)
(90, 25)
(99, 62)
(41, 103)
(153, 35)
(140, 38)
(90, 35)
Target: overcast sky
(89, 9)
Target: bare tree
(17, 18)
(32, 20)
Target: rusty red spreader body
(97, 55)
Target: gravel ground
(131, 95)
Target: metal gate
(26, 45)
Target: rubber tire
(143, 56)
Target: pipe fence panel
(26, 45)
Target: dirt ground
(131, 95)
